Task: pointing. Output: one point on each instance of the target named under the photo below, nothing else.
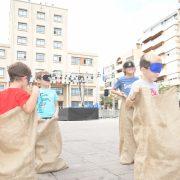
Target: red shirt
(11, 98)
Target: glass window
(75, 60)
(1, 87)
(59, 91)
(1, 72)
(88, 103)
(75, 92)
(2, 52)
(22, 12)
(88, 61)
(88, 92)
(57, 72)
(57, 44)
(22, 26)
(40, 15)
(22, 40)
(57, 31)
(57, 18)
(40, 29)
(57, 58)
(75, 104)
(40, 56)
(21, 55)
(40, 42)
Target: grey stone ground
(91, 150)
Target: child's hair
(147, 59)
(40, 74)
(18, 70)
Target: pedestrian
(47, 104)
(17, 124)
(122, 88)
(49, 142)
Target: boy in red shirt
(16, 94)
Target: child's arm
(119, 93)
(132, 97)
(56, 114)
(30, 104)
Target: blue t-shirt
(124, 84)
(46, 103)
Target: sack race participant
(49, 142)
(121, 89)
(127, 143)
(18, 126)
(156, 125)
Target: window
(75, 92)
(22, 12)
(40, 42)
(40, 15)
(88, 92)
(57, 18)
(59, 91)
(57, 72)
(40, 29)
(1, 72)
(88, 61)
(1, 87)
(2, 53)
(22, 40)
(21, 55)
(75, 104)
(57, 58)
(75, 60)
(57, 44)
(57, 31)
(40, 56)
(22, 26)
(88, 103)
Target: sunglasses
(156, 67)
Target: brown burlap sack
(49, 147)
(17, 145)
(156, 126)
(127, 144)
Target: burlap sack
(156, 126)
(127, 144)
(17, 145)
(49, 147)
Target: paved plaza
(91, 151)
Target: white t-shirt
(144, 84)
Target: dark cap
(128, 64)
(46, 77)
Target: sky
(107, 28)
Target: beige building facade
(38, 38)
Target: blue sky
(107, 28)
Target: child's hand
(35, 90)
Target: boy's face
(152, 73)
(130, 70)
(45, 81)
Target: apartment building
(38, 35)
(164, 39)
(83, 78)
(38, 38)
(5, 60)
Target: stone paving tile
(91, 149)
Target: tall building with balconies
(164, 39)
